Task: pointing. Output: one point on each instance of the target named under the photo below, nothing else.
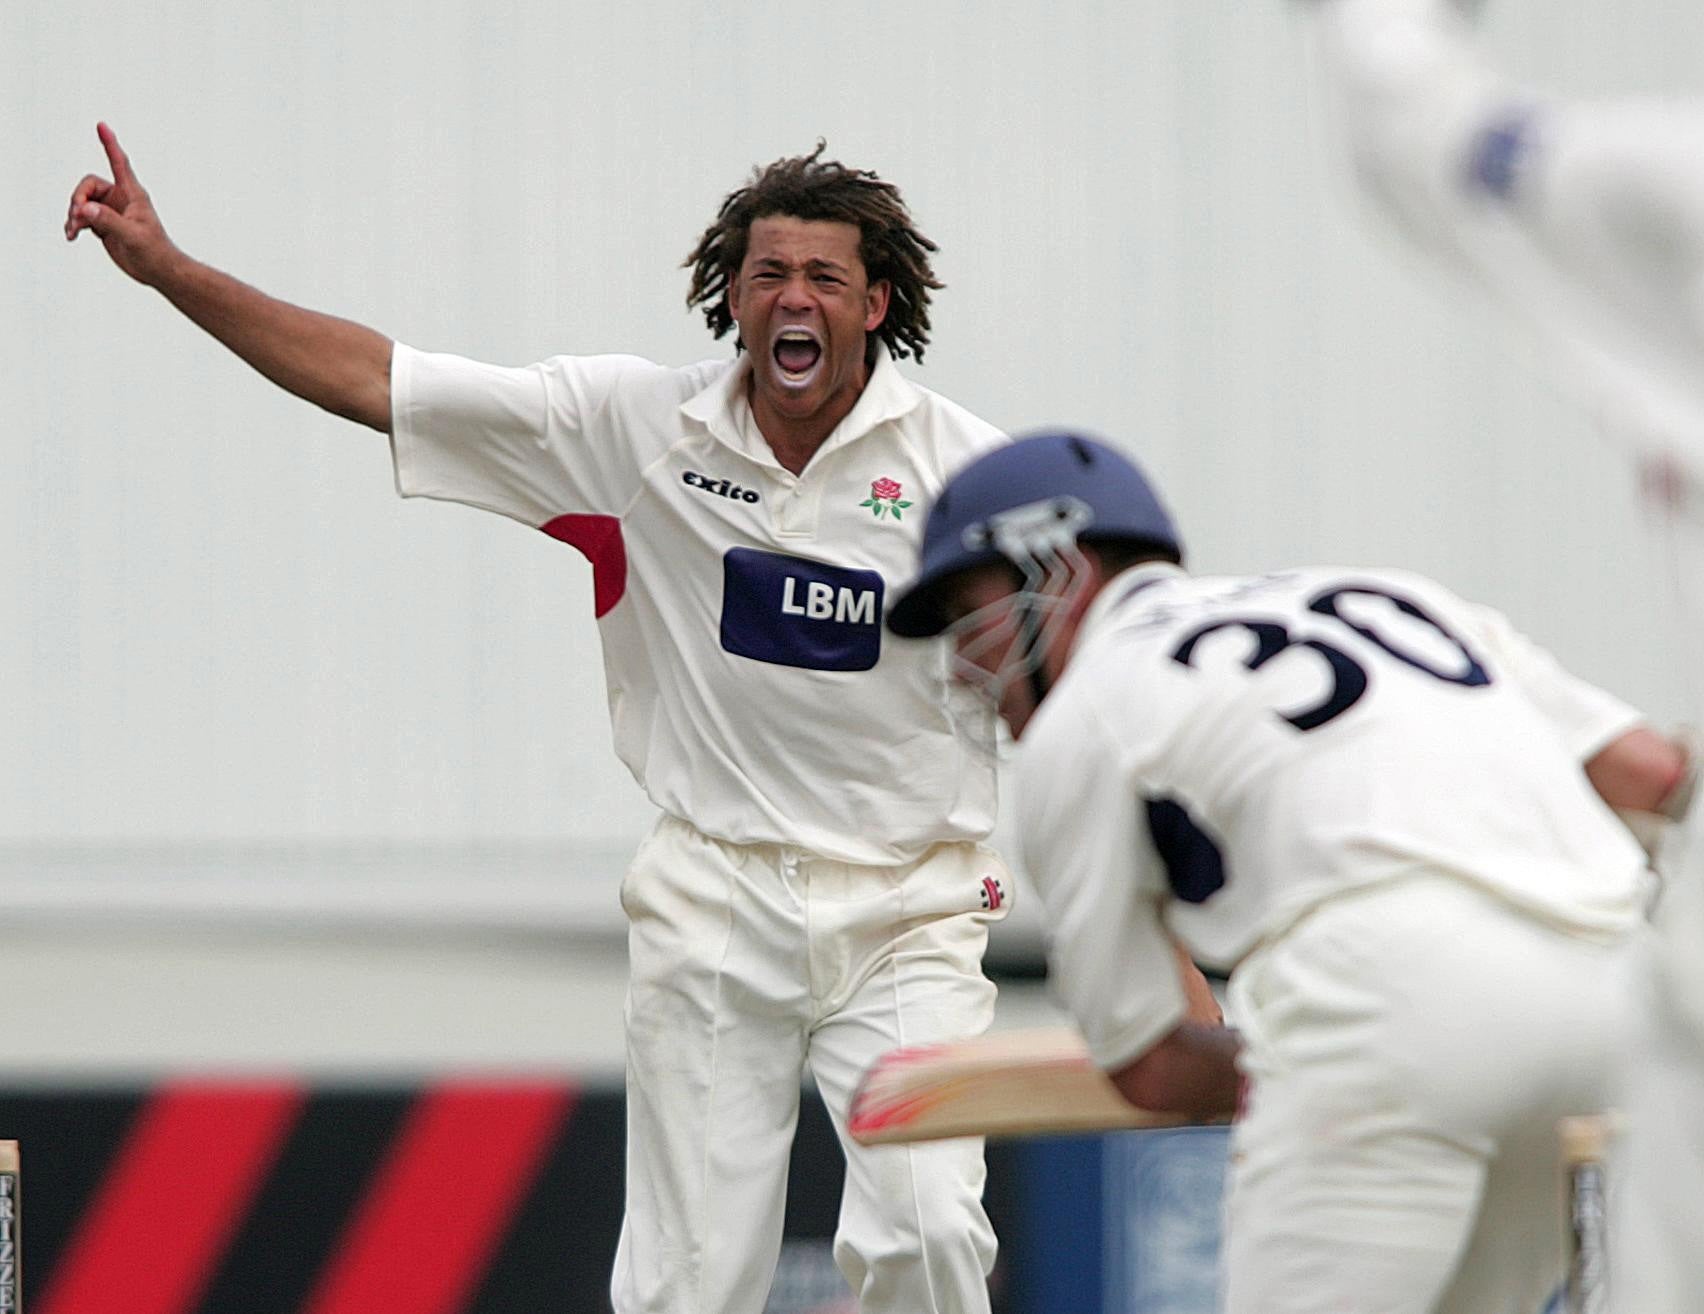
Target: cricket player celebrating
(1586, 220)
(817, 890)
(1381, 809)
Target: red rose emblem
(885, 500)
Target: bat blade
(1034, 1082)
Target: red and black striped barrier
(464, 1196)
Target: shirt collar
(724, 409)
(1150, 578)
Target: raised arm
(334, 363)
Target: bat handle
(1585, 1150)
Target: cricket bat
(1032, 1082)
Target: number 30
(1348, 676)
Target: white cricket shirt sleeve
(1586, 717)
(527, 442)
(1084, 832)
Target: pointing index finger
(121, 171)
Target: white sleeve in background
(1413, 94)
(1083, 830)
(528, 442)
(1584, 218)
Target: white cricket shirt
(752, 689)
(1222, 755)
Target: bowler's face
(804, 304)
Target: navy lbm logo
(792, 611)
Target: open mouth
(797, 352)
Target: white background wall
(219, 626)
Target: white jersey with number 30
(1223, 755)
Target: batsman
(1379, 808)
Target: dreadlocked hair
(810, 187)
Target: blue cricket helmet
(1080, 487)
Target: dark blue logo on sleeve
(1195, 866)
(794, 612)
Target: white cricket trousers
(1411, 1050)
(747, 963)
